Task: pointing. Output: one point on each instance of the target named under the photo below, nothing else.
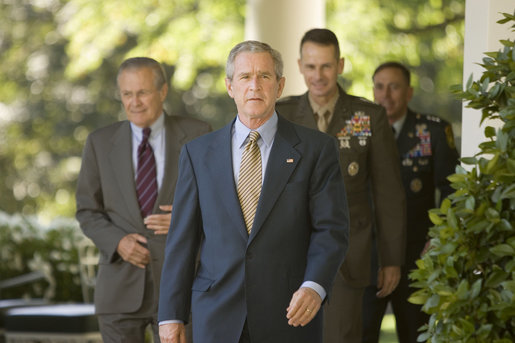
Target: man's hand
(160, 223)
(130, 249)
(304, 305)
(387, 280)
(172, 333)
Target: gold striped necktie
(249, 181)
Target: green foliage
(28, 246)
(427, 36)
(467, 277)
(60, 57)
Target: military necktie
(322, 122)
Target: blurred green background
(60, 57)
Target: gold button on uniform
(353, 168)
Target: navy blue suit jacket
(300, 233)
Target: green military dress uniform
(369, 163)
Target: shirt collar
(156, 127)
(398, 125)
(329, 106)
(266, 131)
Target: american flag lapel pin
(289, 160)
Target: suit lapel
(282, 162)
(174, 139)
(121, 164)
(218, 160)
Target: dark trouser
(408, 317)
(342, 313)
(130, 327)
(245, 336)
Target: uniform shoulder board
(433, 118)
(288, 98)
(366, 100)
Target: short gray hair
(145, 62)
(254, 47)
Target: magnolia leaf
(491, 213)
(492, 164)
(462, 290)
(502, 250)
(435, 219)
(418, 298)
(468, 327)
(496, 277)
(433, 301)
(489, 132)
(457, 177)
(509, 285)
(470, 203)
(509, 192)
(470, 81)
(423, 336)
(451, 219)
(502, 140)
(468, 160)
(476, 288)
(445, 205)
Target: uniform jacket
(427, 156)
(299, 233)
(107, 207)
(369, 162)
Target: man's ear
(341, 63)
(228, 86)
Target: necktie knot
(323, 120)
(146, 134)
(253, 136)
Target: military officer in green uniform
(427, 156)
(369, 163)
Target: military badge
(358, 126)
(353, 168)
(423, 148)
(344, 135)
(415, 185)
(423, 161)
(407, 162)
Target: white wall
(282, 23)
(482, 34)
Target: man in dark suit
(128, 224)
(265, 269)
(368, 160)
(427, 156)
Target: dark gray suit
(108, 210)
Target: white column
(282, 23)
(482, 34)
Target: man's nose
(255, 83)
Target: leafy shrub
(467, 277)
(28, 246)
